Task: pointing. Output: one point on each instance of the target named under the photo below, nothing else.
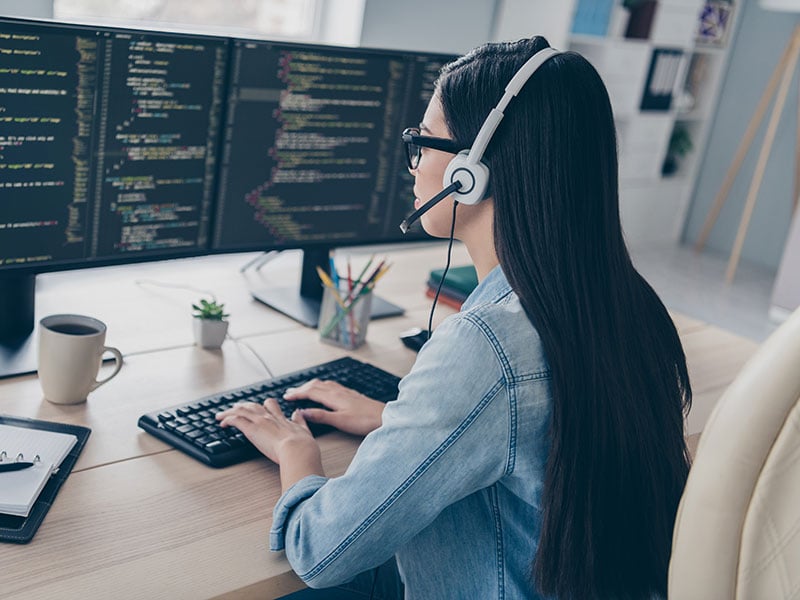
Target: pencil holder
(343, 320)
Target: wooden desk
(137, 519)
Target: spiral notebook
(27, 495)
(46, 449)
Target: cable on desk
(256, 354)
(179, 286)
(259, 261)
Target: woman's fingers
(317, 415)
(299, 418)
(251, 411)
(243, 408)
(328, 393)
(273, 408)
(240, 421)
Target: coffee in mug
(71, 349)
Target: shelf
(677, 180)
(585, 38)
(604, 40)
(642, 72)
(708, 49)
(690, 116)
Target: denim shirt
(451, 483)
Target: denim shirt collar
(493, 287)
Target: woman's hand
(349, 410)
(287, 443)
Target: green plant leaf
(212, 311)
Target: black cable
(446, 268)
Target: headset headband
(512, 89)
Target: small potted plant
(680, 144)
(210, 326)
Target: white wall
(427, 25)
(340, 22)
(517, 19)
(40, 9)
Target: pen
(351, 319)
(326, 280)
(369, 280)
(360, 275)
(14, 466)
(334, 273)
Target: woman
(536, 448)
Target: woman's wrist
(298, 459)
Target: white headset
(466, 167)
(466, 176)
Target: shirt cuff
(303, 489)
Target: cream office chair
(737, 533)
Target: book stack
(458, 284)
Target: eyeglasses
(415, 143)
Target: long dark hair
(618, 460)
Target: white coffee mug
(71, 349)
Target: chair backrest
(737, 532)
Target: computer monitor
(311, 157)
(108, 145)
(121, 145)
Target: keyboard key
(216, 447)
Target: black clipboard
(21, 530)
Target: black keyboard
(193, 429)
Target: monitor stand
(17, 343)
(303, 304)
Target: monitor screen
(108, 144)
(311, 156)
(120, 145)
(311, 153)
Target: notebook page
(51, 446)
(19, 489)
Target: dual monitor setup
(121, 145)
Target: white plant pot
(208, 333)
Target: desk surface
(137, 519)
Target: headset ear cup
(473, 178)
